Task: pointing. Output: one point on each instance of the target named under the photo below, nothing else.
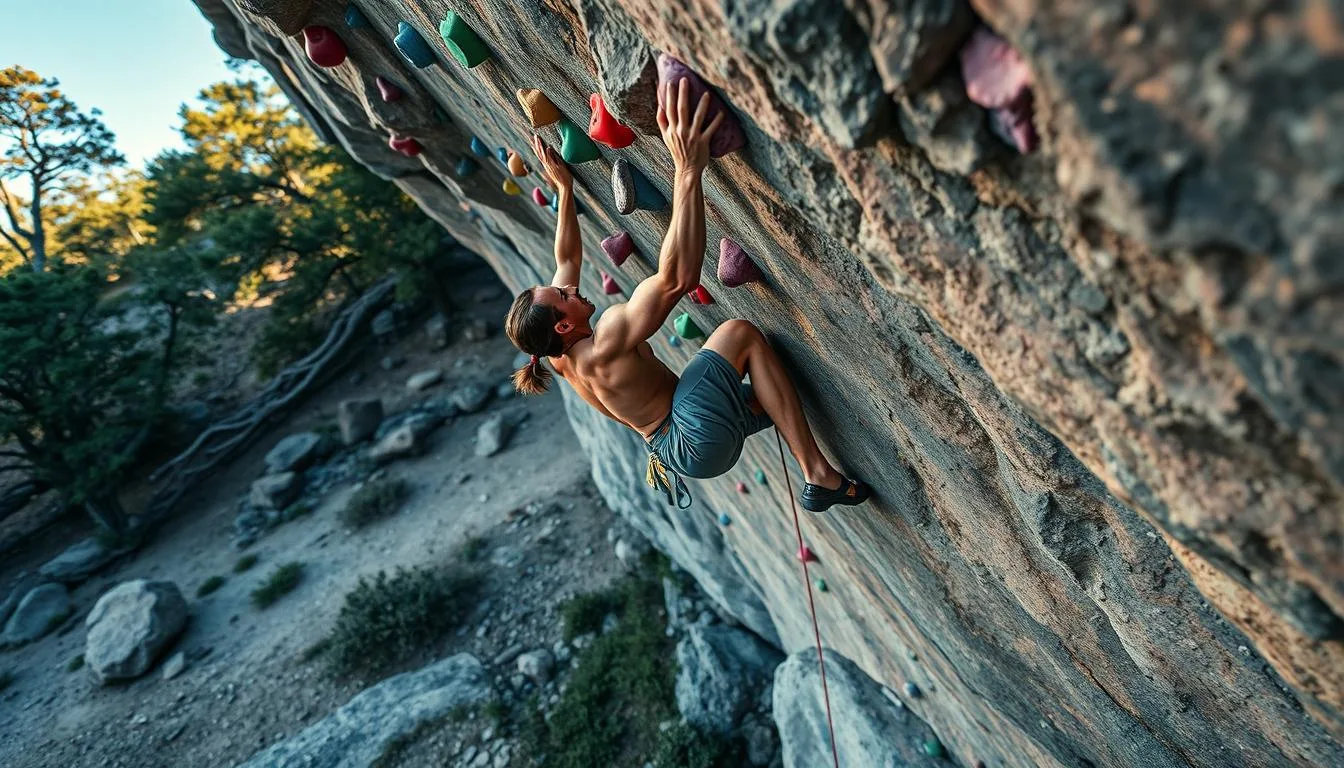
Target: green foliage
(376, 500)
(386, 619)
(75, 664)
(209, 585)
(620, 691)
(245, 562)
(473, 548)
(281, 582)
(315, 650)
(584, 613)
(685, 746)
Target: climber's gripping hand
(553, 169)
(686, 136)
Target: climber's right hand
(553, 169)
(686, 135)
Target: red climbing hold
(406, 145)
(323, 46)
(729, 137)
(735, 266)
(618, 247)
(609, 285)
(604, 127)
(806, 555)
(700, 296)
(741, 487)
(539, 197)
(387, 89)
(998, 79)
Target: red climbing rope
(811, 604)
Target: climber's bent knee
(711, 417)
(733, 340)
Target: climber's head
(543, 322)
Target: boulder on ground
(537, 665)
(25, 583)
(78, 562)
(360, 732)
(359, 419)
(874, 731)
(470, 397)
(720, 672)
(39, 612)
(398, 443)
(493, 435)
(294, 453)
(276, 491)
(384, 324)
(436, 328)
(130, 626)
(424, 380)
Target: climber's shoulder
(610, 332)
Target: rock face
(78, 562)
(130, 625)
(1097, 387)
(358, 732)
(720, 671)
(40, 611)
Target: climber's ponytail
(533, 378)
(531, 328)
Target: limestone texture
(1098, 388)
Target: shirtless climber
(694, 426)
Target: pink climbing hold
(730, 136)
(387, 89)
(539, 197)
(324, 47)
(735, 266)
(609, 285)
(406, 145)
(604, 127)
(741, 487)
(700, 296)
(618, 247)
(806, 555)
(998, 79)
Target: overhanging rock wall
(1099, 388)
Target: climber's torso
(632, 387)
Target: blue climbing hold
(673, 340)
(555, 203)
(478, 148)
(412, 46)
(724, 519)
(503, 154)
(465, 167)
(912, 690)
(355, 18)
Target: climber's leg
(743, 345)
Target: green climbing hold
(934, 748)
(760, 477)
(575, 146)
(821, 585)
(462, 41)
(686, 327)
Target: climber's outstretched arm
(683, 253)
(568, 245)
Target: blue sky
(136, 60)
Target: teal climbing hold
(462, 41)
(912, 655)
(465, 167)
(673, 340)
(503, 154)
(913, 691)
(760, 477)
(478, 148)
(934, 748)
(821, 585)
(412, 46)
(724, 519)
(355, 18)
(575, 146)
(686, 327)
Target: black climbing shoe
(819, 499)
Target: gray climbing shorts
(710, 420)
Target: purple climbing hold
(735, 266)
(729, 137)
(998, 79)
(609, 286)
(618, 247)
(387, 89)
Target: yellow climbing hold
(541, 111)
(510, 188)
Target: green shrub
(584, 613)
(245, 562)
(386, 619)
(685, 746)
(374, 501)
(622, 688)
(75, 663)
(473, 548)
(281, 582)
(209, 585)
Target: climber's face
(574, 309)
